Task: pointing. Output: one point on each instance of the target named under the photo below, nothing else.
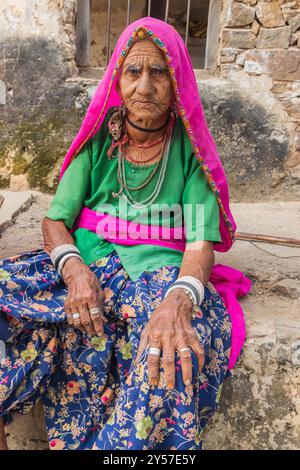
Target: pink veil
(230, 283)
(189, 109)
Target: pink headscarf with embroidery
(188, 104)
(231, 283)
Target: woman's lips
(143, 102)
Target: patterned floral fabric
(69, 371)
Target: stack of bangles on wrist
(62, 253)
(193, 288)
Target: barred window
(99, 23)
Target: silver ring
(95, 310)
(154, 351)
(94, 315)
(75, 316)
(185, 349)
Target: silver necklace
(161, 177)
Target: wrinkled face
(145, 84)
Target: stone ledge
(14, 203)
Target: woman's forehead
(142, 49)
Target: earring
(116, 122)
(123, 108)
(174, 109)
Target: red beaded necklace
(147, 146)
(141, 162)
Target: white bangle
(196, 283)
(178, 286)
(64, 259)
(61, 249)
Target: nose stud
(141, 34)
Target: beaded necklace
(147, 146)
(124, 189)
(143, 162)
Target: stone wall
(260, 49)
(251, 101)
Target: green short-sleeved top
(91, 178)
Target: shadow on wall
(252, 144)
(39, 117)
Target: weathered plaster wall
(37, 112)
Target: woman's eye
(159, 71)
(133, 71)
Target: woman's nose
(145, 86)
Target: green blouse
(91, 178)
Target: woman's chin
(145, 114)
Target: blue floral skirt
(69, 371)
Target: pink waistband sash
(229, 282)
(124, 232)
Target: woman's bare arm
(198, 260)
(55, 233)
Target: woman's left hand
(169, 329)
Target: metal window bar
(187, 21)
(188, 11)
(108, 31)
(128, 12)
(108, 25)
(167, 10)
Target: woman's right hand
(84, 293)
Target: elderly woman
(117, 325)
